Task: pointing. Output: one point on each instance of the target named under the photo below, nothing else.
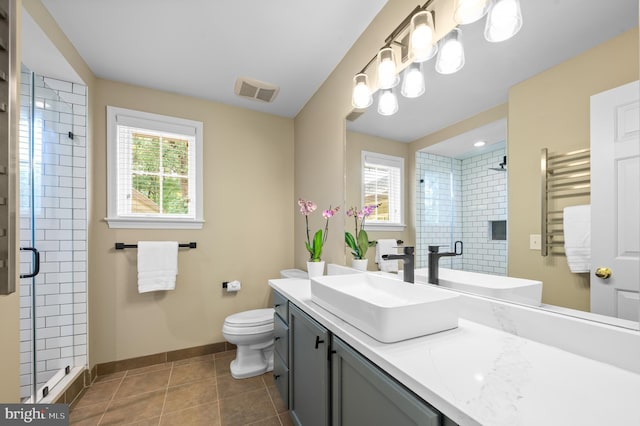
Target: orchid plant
(360, 243)
(314, 247)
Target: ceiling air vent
(254, 89)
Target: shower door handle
(36, 266)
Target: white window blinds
(154, 168)
(382, 185)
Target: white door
(615, 201)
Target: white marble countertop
(477, 375)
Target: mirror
(540, 81)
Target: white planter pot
(315, 269)
(359, 264)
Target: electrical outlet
(535, 242)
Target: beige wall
(552, 110)
(355, 144)
(320, 132)
(248, 234)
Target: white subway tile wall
(457, 200)
(60, 211)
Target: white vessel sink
(506, 288)
(387, 309)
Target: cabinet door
(281, 338)
(281, 305)
(308, 369)
(362, 394)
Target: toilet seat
(254, 318)
(249, 322)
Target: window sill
(384, 226)
(153, 223)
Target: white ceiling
(553, 31)
(199, 47)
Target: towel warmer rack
(565, 175)
(122, 246)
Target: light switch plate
(535, 242)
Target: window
(383, 183)
(154, 166)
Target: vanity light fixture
(468, 11)
(413, 81)
(504, 20)
(387, 68)
(421, 45)
(450, 53)
(417, 46)
(387, 102)
(362, 97)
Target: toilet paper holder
(231, 286)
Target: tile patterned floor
(195, 391)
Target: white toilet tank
(294, 273)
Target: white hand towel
(577, 237)
(157, 265)
(386, 246)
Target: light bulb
(421, 39)
(504, 20)
(387, 71)
(361, 97)
(468, 11)
(451, 54)
(413, 81)
(387, 102)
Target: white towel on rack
(157, 265)
(577, 237)
(386, 246)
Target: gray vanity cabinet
(309, 367)
(327, 382)
(281, 346)
(362, 394)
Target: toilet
(252, 333)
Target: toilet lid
(252, 318)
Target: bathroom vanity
(326, 381)
(330, 372)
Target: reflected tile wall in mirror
(458, 200)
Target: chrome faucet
(407, 261)
(434, 258)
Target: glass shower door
(46, 237)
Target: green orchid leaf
(317, 245)
(363, 242)
(350, 241)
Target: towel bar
(122, 246)
(563, 176)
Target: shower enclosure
(53, 302)
(463, 199)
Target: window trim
(160, 123)
(392, 161)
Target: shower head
(502, 165)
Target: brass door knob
(603, 273)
